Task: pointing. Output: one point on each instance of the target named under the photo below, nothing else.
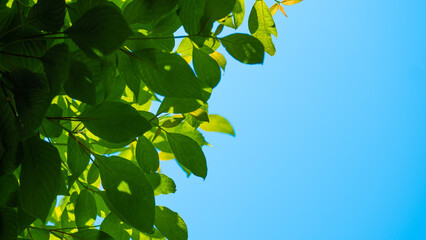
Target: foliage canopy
(77, 81)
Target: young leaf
(77, 156)
(219, 58)
(161, 183)
(128, 191)
(115, 122)
(244, 48)
(40, 177)
(48, 14)
(188, 153)
(147, 155)
(290, 2)
(206, 68)
(218, 124)
(85, 209)
(100, 31)
(170, 224)
(262, 25)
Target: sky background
(331, 131)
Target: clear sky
(331, 131)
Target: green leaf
(147, 155)
(244, 48)
(8, 191)
(128, 191)
(188, 153)
(56, 64)
(93, 174)
(85, 209)
(91, 234)
(50, 127)
(238, 13)
(190, 14)
(31, 98)
(40, 177)
(114, 227)
(170, 224)
(77, 156)
(8, 224)
(262, 25)
(115, 122)
(161, 183)
(80, 83)
(147, 11)
(179, 105)
(172, 122)
(218, 124)
(168, 74)
(206, 68)
(100, 31)
(48, 14)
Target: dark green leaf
(93, 174)
(56, 64)
(244, 48)
(40, 177)
(170, 224)
(8, 191)
(31, 98)
(168, 74)
(172, 122)
(91, 234)
(50, 127)
(85, 209)
(191, 14)
(128, 191)
(161, 183)
(114, 227)
(100, 31)
(262, 25)
(115, 122)
(147, 155)
(179, 105)
(8, 224)
(206, 68)
(80, 85)
(77, 156)
(48, 14)
(147, 11)
(188, 153)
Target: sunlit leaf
(85, 209)
(262, 25)
(188, 153)
(146, 155)
(128, 191)
(161, 183)
(218, 124)
(170, 224)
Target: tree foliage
(78, 78)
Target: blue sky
(330, 131)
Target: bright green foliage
(77, 83)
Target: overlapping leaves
(77, 82)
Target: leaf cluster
(79, 138)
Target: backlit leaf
(218, 124)
(91, 234)
(128, 191)
(262, 25)
(161, 183)
(170, 224)
(206, 68)
(114, 121)
(77, 156)
(85, 209)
